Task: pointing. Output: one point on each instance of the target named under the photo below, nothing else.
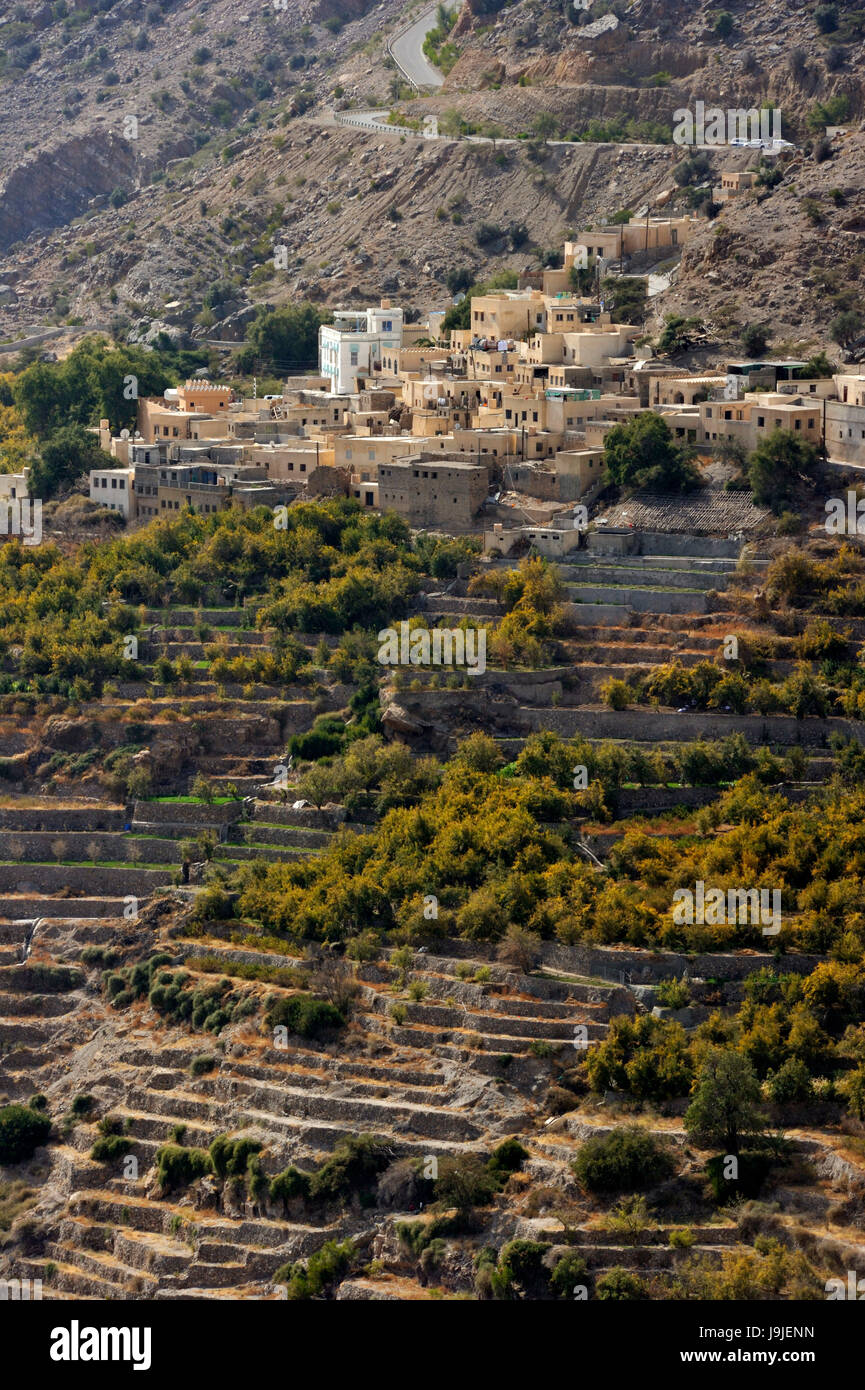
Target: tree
(816, 366)
(846, 328)
(21, 1130)
(724, 1111)
(625, 297)
(465, 1182)
(678, 333)
(65, 456)
(623, 1160)
(829, 112)
(285, 338)
(780, 467)
(519, 948)
(754, 339)
(544, 125)
(643, 453)
(318, 785)
(93, 382)
(724, 24)
(826, 17)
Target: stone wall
(647, 967)
(27, 846)
(62, 819)
(642, 600)
(479, 708)
(80, 878)
(186, 813)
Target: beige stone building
(632, 238)
(757, 415)
(434, 492)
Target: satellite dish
(124, 434)
(459, 298)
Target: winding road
(407, 52)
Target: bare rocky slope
(235, 152)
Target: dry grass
(15, 1198)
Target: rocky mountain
(151, 152)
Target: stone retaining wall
(26, 846)
(187, 813)
(641, 600)
(50, 878)
(63, 818)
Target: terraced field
(442, 1058)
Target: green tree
(285, 338)
(545, 125)
(846, 328)
(21, 1130)
(642, 453)
(826, 18)
(678, 333)
(65, 456)
(724, 1111)
(754, 339)
(780, 468)
(625, 297)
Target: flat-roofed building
(436, 492)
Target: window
(114, 483)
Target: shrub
(22, 1130)
(615, 693)
(177, 1166)
(826, 17)
(682, 1238)
(626, 1159)
(303, 1015)
(110, 1146)
(288, 1185)
(230, 1157)
(521, 1263)
(752, 1170)
(792, 1082)
(465, 1182)
(352, 1167)
(321, 1270)
(507, 1158)
(673, 994)
(202, 1063)
(569, 1272)
(620, 1284)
